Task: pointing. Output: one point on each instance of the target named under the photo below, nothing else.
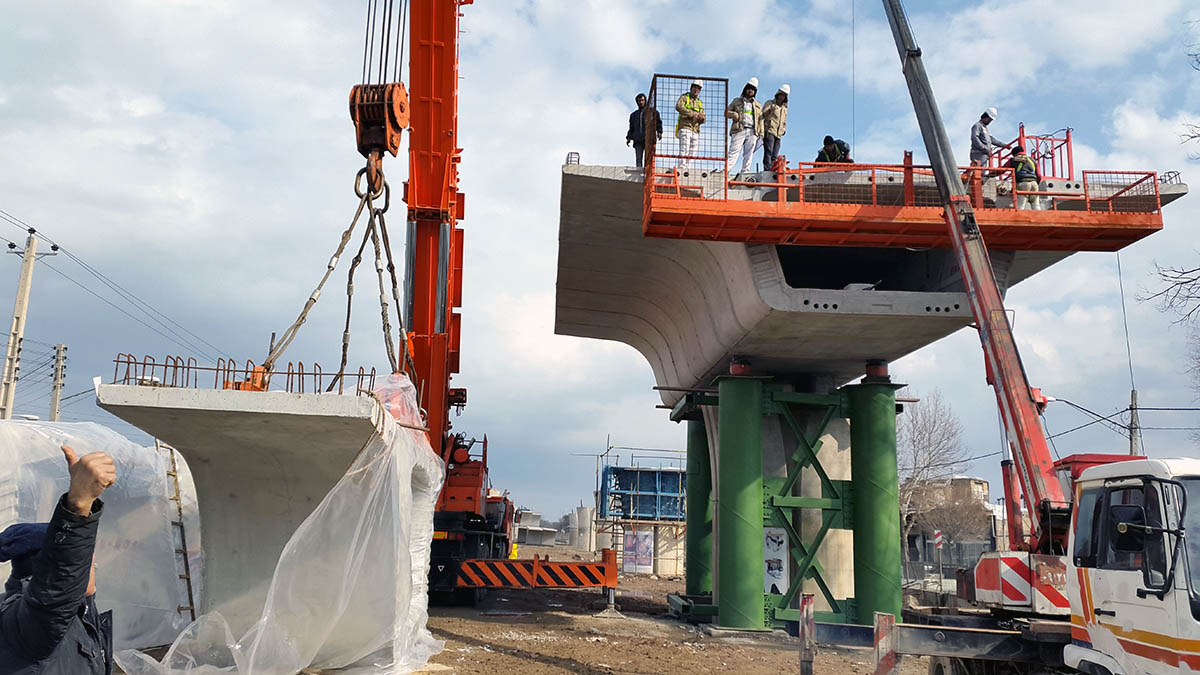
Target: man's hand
(627, 142)
(90, 476)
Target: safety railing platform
(690, 194)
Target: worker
(982, 143)
(1027, 178)
(687, 127)
(834, 150)
(774, 125)
(48, 617)
(637, 129)
(745, 128)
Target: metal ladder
(182, 551)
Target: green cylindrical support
(877, 573)
(699, 511)
(739, 592)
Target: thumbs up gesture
(90, 476)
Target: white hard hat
(786, 88)
(697, 83)
(990, 112)
(753, 82)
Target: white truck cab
(1133, 568)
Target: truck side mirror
(1127, 523)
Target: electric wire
(166, 322)
(1125, 321)
(115, 306)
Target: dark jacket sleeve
(629, 135)
(657, 122)
(36, 622)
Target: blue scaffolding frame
(637, 493)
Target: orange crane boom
(434, 241)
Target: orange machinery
(473, 529)
(467, 523)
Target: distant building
(960, 507)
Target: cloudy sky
(200, 156)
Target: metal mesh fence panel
(1121, 191)
(689, 160)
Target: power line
(141, 305)
(1125, 320)
(115, 306)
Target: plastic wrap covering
(351, 586)
(137, 573)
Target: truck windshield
(1191, 525)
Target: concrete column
(699, 551)
(739, 506)
(876, 486)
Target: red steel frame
(1093, 225)
(434, 208)
(1054, 156)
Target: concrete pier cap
(261, 461)
(813, 315)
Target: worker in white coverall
(982, 143)
(745, 129)
(687, 127)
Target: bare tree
(930, 448)
(1180, 293)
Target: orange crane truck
(1104, 583)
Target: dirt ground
(557, 631)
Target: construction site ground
(558, 631)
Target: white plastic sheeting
(351, 586)
(137, 573)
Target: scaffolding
(641, 509)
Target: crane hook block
(380, 114)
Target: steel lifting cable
(388, 343)
(376, 226)
(391, 267)
(290, 333)
(337, 379)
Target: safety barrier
(539, 573)
(176, 371)
(684, 163)
(906, 185)
(1053, 155)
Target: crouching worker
(48, 619)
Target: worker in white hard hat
(774, 125)
(687, 126)
(982, 143)
(745, 129)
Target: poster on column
(639, 552)
(775, 561)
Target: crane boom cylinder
(1020, 404)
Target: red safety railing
(1052, 154)
(175, 371)
(904, 185)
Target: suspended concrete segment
(799, 311)
(262, 461)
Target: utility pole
(60, 376)
(1135, 435)
(12, 357)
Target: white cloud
(201, 154)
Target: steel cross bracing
(1020, 404)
